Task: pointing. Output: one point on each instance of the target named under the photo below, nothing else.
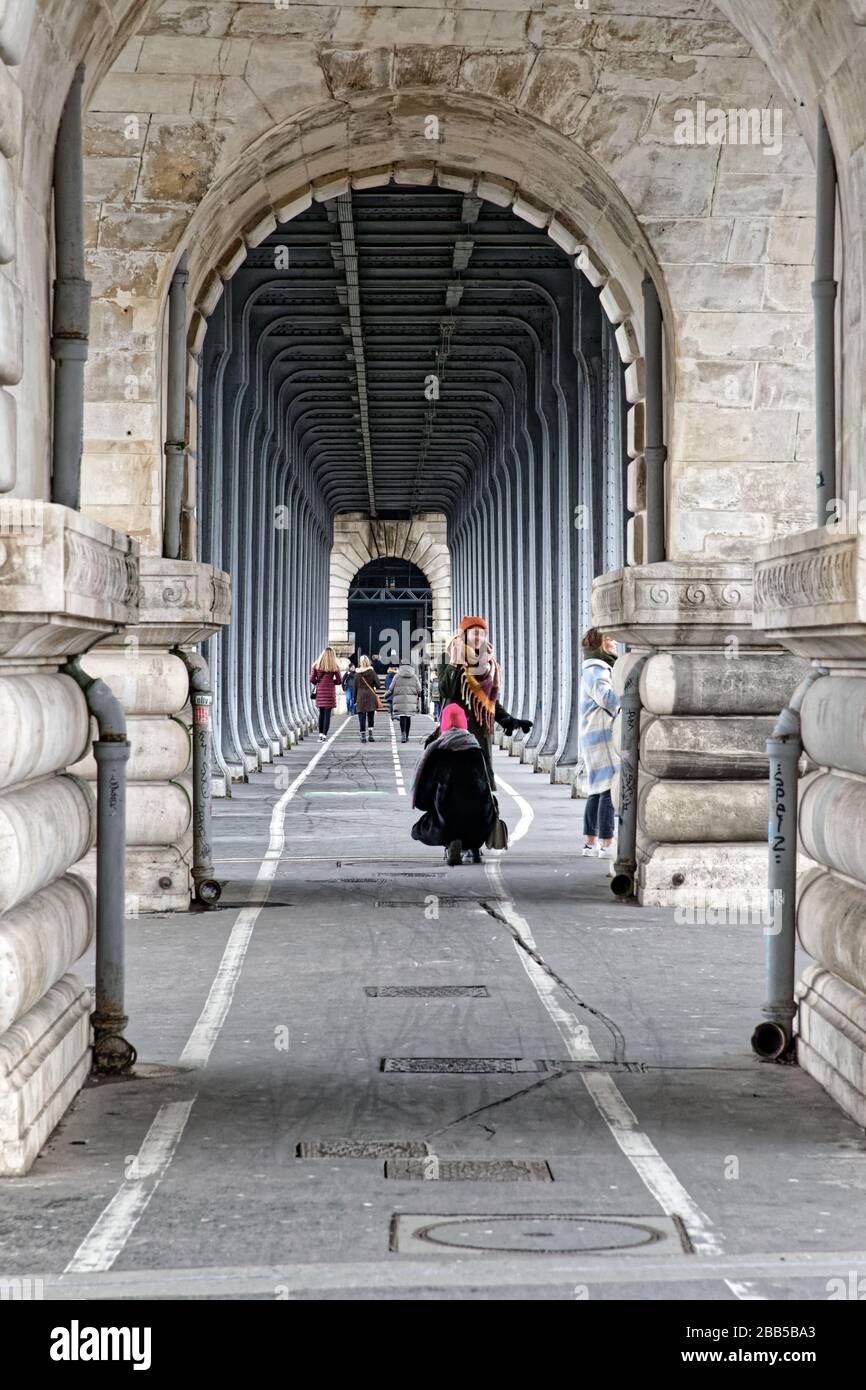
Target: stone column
(710, 692)
(810, 595)
(181, 603)
(64, 582)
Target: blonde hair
(328, 660)
(365, 663)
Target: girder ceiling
(375, 293)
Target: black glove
(524, 724)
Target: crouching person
(452, 788)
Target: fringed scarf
(479, 686)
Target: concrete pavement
(623, 1142)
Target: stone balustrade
(810, 595)
(65, 581)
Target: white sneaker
(322, 738)
(589, 851)
(605, 853)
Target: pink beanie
(453, 717)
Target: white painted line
(107, 1237)
(398, 771)
(112, 1229)
(206, 1031)
(656, 1175)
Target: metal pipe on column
(824, 301)
(773, 1039)
(175, 412)
(207, 888)
(71, 317)
(624, 881)
(112, 1053)
(655, 451)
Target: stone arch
(603, 207)
(358, 539)
(604, 256)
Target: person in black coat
(452, 788)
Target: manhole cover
(426, 991)
(556, 1234)
(362, 1148)
(435, 1169)
(456, 1065)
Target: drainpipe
(624, 881)
(111, 1051)
(655, 452)
(175, 443)
(824, 300)
(772, 1040)
(207, 888)
(71, 320)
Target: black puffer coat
(452, 788)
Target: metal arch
(498, 448)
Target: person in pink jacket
(325, 678)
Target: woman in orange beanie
(470, 678)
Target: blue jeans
(598, 818)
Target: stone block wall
(423, 542)
(323, 93)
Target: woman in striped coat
(599, 703)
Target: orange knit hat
(467, 623)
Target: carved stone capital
(181, 602)
(677, 604)
(64, 579)
(810, 594)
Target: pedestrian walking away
(434, 694)
(349, 687)
(405, 695)
(325, 679)
(453, 790)
(599, 703)
(367, 686)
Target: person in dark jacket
(349, 687)
(469, 677)
(367, 686)
(324, 678)
(452, 788)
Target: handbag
(498, 837)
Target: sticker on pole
(201, 709)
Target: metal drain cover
(362, 1148)
(426, 991)
(556, 1234)
(438, 1169)
(455, 1065)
